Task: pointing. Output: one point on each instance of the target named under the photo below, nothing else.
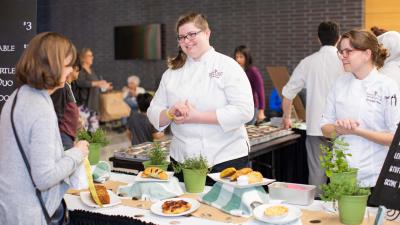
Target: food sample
(276, 211)
(175, 207)
(255, 177)
(102, 193)
(240, 172)
(155, 172)
(227, 172)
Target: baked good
(155, 172)
(240, 172)
(227, 172)
(276, 211)
(102, 193)
(255, 177)
(175, 207)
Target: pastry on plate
(102, 193)
(255, 177)
(227, 172)
(175, 207)
(276, 211)
(240, 172)
(155, 172)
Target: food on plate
(102, 193)
(276, 211)
(240, 172)
(155, 172)
(175, 207)
(255, 177)
(227, 172)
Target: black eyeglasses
(190, 36)
(346, 52)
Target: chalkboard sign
(17, 28)
(387, 189)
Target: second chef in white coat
(206, 98)
(363, 106)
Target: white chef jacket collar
(370, 77)
(328, 48)
(206, 57)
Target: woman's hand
(83, 146)
(179, 111)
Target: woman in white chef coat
(363, 106)
(206, 98)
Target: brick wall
(279, 32)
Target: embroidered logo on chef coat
(215, 74)
(392, 99)
(374, 97)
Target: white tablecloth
(74, 203)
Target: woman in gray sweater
(42, 69)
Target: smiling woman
(206, 98)
(362, 106)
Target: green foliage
(333, 191)
(333, 158)
(195, 163)
(157, 155)
(99, 136)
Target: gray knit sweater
(37, 128)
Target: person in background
(87, 90)
(362, 107)
(139, 127)
(243, 57)
(391, 41)
(131, 91)
(377, 31)
(317, 73)
(206, 98)
(42, 68)
(66, 109)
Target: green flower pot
(350, 177)
(147, 164)
(94, 153)
(194, 180)
(352, 209)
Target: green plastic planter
(147, 164)
(94, 153)
(194, 180)
(344, 177)
(352, 209)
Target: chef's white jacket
(317, 73)
(214, 83)
(374, 103)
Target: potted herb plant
(194, 173)
(97, 140)
(333, 160)
(157, 157)
(352, 200)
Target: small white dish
(139, 177)
(157, 209)
(87, 199)
(217, 178)
(293, 214)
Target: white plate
(156, 207)
(215, 177)
(141, 179)
(293, 214)
(87, 199)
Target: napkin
(152, 190)
(102, 172)
(235, 201)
